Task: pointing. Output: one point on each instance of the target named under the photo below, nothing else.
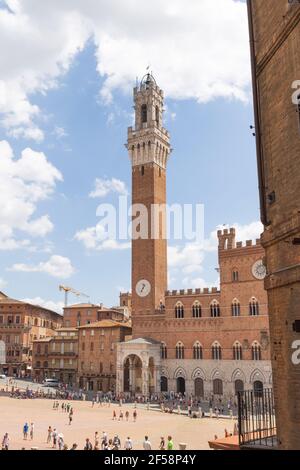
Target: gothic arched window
(179, 350)
(254, 307)
(163, 351)
(237, 351)
(196, 309)
(216, 351)
(236, 308)
(215, 309)
(144, 114)
(179, 310)
(256, 351)
(197, 351)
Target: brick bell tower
(149, 149)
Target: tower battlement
(227, 240)
(182, 292)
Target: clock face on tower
(259, 270)
(143, 288)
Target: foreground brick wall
(276, 26)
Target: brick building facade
(97, 354)
(20, 324)
(56, 357)
(84, 314)
(201, 342)
(275, 44)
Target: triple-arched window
(237, 351)
(215, 309)
(179, 350)
(196, 310)
(197, 351)
(236, 308)
(163, 351)
(254, 307)
(216, 351)
(179, 310)
(256, 351)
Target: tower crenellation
(226, 239)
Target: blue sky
(84, 133)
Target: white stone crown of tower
(149, 141)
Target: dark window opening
(144, 114)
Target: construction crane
(67, 289)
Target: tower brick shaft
(149, 148)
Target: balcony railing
(257, 424)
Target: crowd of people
(104, 443)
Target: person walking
(170, 443)
(114, 415)
(128, 444)
(60, 442)
(31, 431)
(49, 435)
(104, 440)
(116, 443)
(127, 415)
(5, 442)
(88, 444)
(147, 444)
(162, 444)
(25, 431)
(97, 442)
(70, 419)
(54, 438)
(134, 415)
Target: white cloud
(188, 257)
(105, 186)
(56, 266)
(95, 238)
(196, 49)
(24, 182)
(49, 304)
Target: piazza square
(87, 420)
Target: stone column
(131, 377)
(156, 373)
(120, 379)
(145, 380)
